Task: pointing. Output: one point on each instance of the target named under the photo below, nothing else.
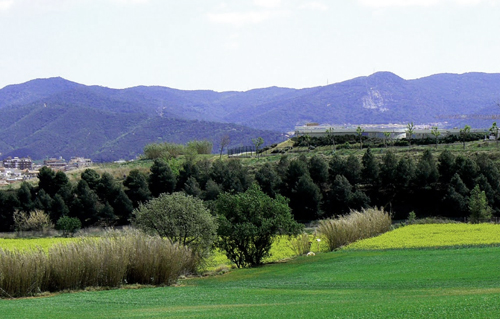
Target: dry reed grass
(110, 261)
(355, 226)
(300, 244)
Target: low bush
(355, 226)
(34, 221)
(68, 225)
(118, 258)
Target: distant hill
(56, 117)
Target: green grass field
(444, 283)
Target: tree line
(317, 187)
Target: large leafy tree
(249, 222)
(179, 217)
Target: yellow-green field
(433, 235)
(24, 244)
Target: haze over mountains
(56, 117)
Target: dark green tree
(137, 188)
(282, 167)
(249, 222)
(212, 190)
(352, 170)
(456, 198)
(336, 166)
(191, 187)
(25, 197)
(296, 170)
(306, 199)
(60, 181)
(318, 170)
(86, 204)
(467, 168)
(68, 225)
(45, 179)
(426, 174)
(122, 207)
(340, 195)
(58, 208)
(189, 169)
(388, 169)
(268, 179)
(446, 166)
(162, 179)
(405, 173)
(370, 170)
(91, 177)
(8, 204)
(43, 201)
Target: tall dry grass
(110, 261)
(355, 226)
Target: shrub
(35, 221)
(180, 217)
(201, 147)
(68, 225)
(355, 226)
(248, 223)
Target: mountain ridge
(55, 109)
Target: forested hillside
(56, 117)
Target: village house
(19, 163)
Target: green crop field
(426, 283)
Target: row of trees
(317, 187)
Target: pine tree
(306, 199)
(446, 166)
(370, 171)
(162, 179)
(352, 170)
(388, 169)
(318, 170)
(91, 177)
(137, 187)
(268, 180)
(426, 173)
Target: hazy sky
(244, 44)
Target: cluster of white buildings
(15, 169)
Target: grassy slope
(453, 283)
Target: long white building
(396, 131)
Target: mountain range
(56, 117)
